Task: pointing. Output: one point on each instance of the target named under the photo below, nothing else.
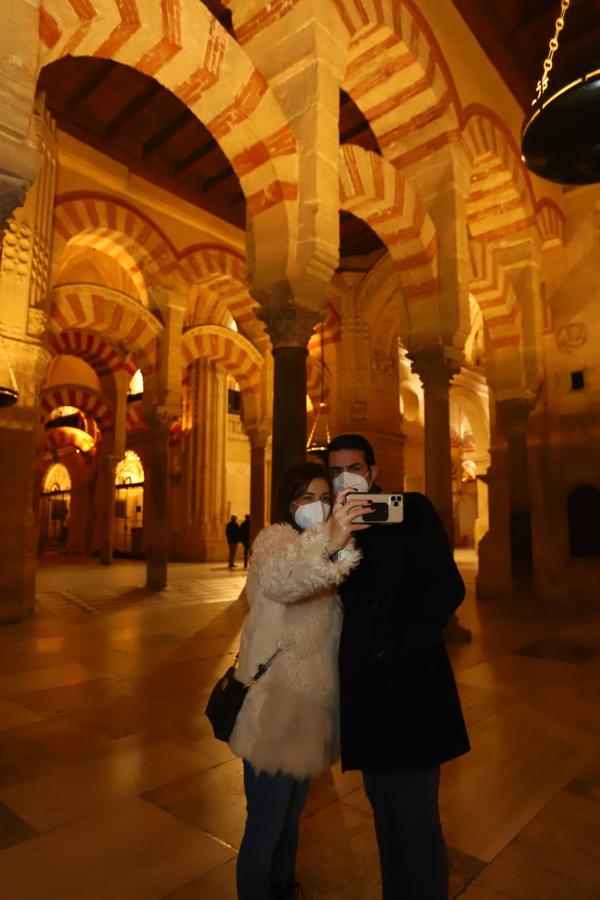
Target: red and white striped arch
(317, 376)
(220, 288)
(110, 226)
(101, 355)
(134, 420)
(83, 398)
(228, 349)
(373, 190)
(499, 306)
(397, 76)
(501, 199)
(104, 312)
(329, 333)
(66, 438)
(181, 45)
(551, 224)
(203, 260)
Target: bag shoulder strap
(261, 669)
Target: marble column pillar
(20, 440)
(290, 329)
(512, 418)
(107, 466)
(436, 367)
(205, 437)
(258, 442)
(112, 450)
(24, 273)
(156, 504)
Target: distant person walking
(232, 533)
(245, 538)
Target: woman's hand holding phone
(341, 524)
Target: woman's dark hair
(353, 442)
(294, 484)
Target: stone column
(436, 366)
(258, 442)
(156, 503)
(19, 442)
(290, 328)
(205, 436)
(107, 466)
(512, 418)
(23, 322)
(110, 453)
(161, 406)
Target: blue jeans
(268, 850)
(412, 851)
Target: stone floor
(111, 787)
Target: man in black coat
(245, 538)
(232, 534)
(400, 710)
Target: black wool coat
(399, 703)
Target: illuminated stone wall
(481, 306)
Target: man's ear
(373, 472)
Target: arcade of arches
(212, 223)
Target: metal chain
(542, 84)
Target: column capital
(513, 413)
(161, 417)
(437, 365)
(258, 436)
(289, 326)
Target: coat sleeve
(443, 587)
(289, 565)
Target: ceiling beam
(166, 133)
(87, 87)
(136, 105)
(195, 156)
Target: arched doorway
(55, 507)
(129, 506)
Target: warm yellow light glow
(130, 470)
(61, 411)
(136, 385)
(57, 478)
(309, 404)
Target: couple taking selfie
(346, 620)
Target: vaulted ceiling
(134, 120)
(515, 36)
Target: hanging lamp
(9, 392)
(560, 138)
(320, 436)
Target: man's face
(351, 461)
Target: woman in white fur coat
(287, 730)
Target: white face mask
(311, 514)
(350, 480)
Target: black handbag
(227, 697)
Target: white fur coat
(289, 719)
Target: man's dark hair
(352, 442)
(294, 484)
